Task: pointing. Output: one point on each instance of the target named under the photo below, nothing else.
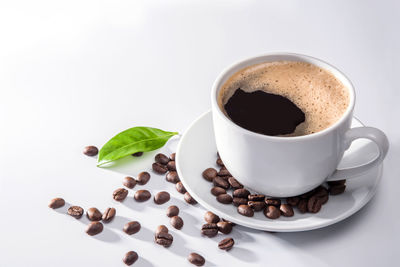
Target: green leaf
(136, 139)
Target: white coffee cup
(289, 166)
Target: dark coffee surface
(264, 113)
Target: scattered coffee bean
(273, 201)
(245, 210)
(293, 201)
(108, 215)
(209, 229)
(302, 205)
(224, 227)
(220, 182)
(143, 178)
(337, 189)
(226, 244)
(159, 168)
(338, 182)
(176, 222)
(120, 194)
(56, 203)
(233, 224)
(75, 211)
(161, 158)
(209, 174)
(161, 229)
(130, 258)
(220, 163)
(94, 228)
(314, 204)
(172, 177)
(137, 154)
(180, 188)
(286, 210)
(224, 198)
(234, 183)
(196, 259)
(224, 172)
(132, 227)
(171, 166)
(142, 195)
(237, 201)
(256, 205)
(90, 151)
(172, 156)
(172, 211)
(242, 192)
(189, 199)
(320, 191)
(129, 182)
(161, 197)
(93, 214)
(272, 212)
(164, 239)
(216, 190)
(256, 197)
(210, 217)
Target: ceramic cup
(289, 166)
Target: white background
(74, 73)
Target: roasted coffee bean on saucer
(245, 210)
(241, 192)
(220, 182)
(237, 201)
(293, 201)
(216, 190)
(302, 205)
(272, 212)
(171, 166)
(256, 197)
(286, 210)
(273, 201)
(209, 174)
(234, 183)
(172, 156)
(224, 198)
(314, 204)
(256, 205)
(337, 189)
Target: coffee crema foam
(316, 91)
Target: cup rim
(247, 62)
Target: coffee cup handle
(373, 134)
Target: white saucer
(197, 151)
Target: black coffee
(264, 113)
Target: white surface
(197, 151)
(75, 73)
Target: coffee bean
(130, 258)
(286, 210)
(272, 212)
(224, 172)
(256, 205)
(209, 229)
(120, 194)
(314, 204)
(245, 210)
(159, 168)
(293, 200)
(161, 229)
(302, 205)
(216, 190)
(132, 227)
(90, 151)
(196, 259)
(218, 181)
(226, 244)
(129, 182)
(337, 189)
(233, 224)
(224, 198)
(143, 178)
(137, 154)
(273, 201)
(171, 166)
(172, 156)
(161, 197)
(172, 177)
(209, 174)
(210, 217)
(94, 228)
(242, 192)
(338, 182)
(234, 183)
(176, 222)
(180, 188)
(189, 199)
(320, 191)
(75, 211)
(108, 215)
(224, 227)
(256, 197)
(56, 203)
(161, 158)
(237, 201)
(307, 194)
(172, 211)
(324, 199)
(164, 239)
(142, 195)
(220, 163)
(93, 214)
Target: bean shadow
(243, 254)
(143, 262)
(132, 204)
(189, 226)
